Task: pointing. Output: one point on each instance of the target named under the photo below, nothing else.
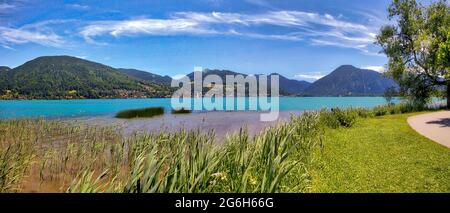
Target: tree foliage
(417, 46)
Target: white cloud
(38, 33)
(380, 69)
(7, 47)
(78, 6)
(22, 36)
(81, 56)
(278, 18)
(313, 28)
(6, 6)
(287, 37)
(178, 76)
(317, 28)
(143, 26)
(309, 76)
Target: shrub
(337, 117)
(364, 113)
(392, 109)
(141, 113)
(328, 119)
(381, 110)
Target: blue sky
(302, 39)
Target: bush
(381, 110)
(363, 112)
(392, 109)
(336, 117)
(141, 113)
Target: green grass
(381, 154)
(141, 113)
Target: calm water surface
(103, 107)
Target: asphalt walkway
(435, 126)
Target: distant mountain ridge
(287, 86)
(4, 68)
(348, 80)
(66, 77)
(147, 76)
(292, 86)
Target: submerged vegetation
(181, 111)
(55, 156)
(141, 113)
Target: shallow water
(222, 123)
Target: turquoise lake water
(99, 107)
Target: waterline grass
(55, 156)
(181, 111)
(141, 113)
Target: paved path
(435, 126)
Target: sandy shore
(222, 123)
(435, 126)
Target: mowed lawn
(381, 154)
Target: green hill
(4, 68)
(60, 77)
(147, 76)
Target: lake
(10, 109)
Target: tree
(418, 48)
(389, 94)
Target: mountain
(348, 80)
(287, 86)
(147, 76)
(4, 68)
(292, 86)
(60, 77)
(221, 73)
(66, 77)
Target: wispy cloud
(312, 28)
(81, 56)
(313, 76)
(318, 29)
(380, 69)
(143, 27)
(287, 37)
(78, 6)
(38, 33)
(6, 6)
(21, 36)
(261, 3)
